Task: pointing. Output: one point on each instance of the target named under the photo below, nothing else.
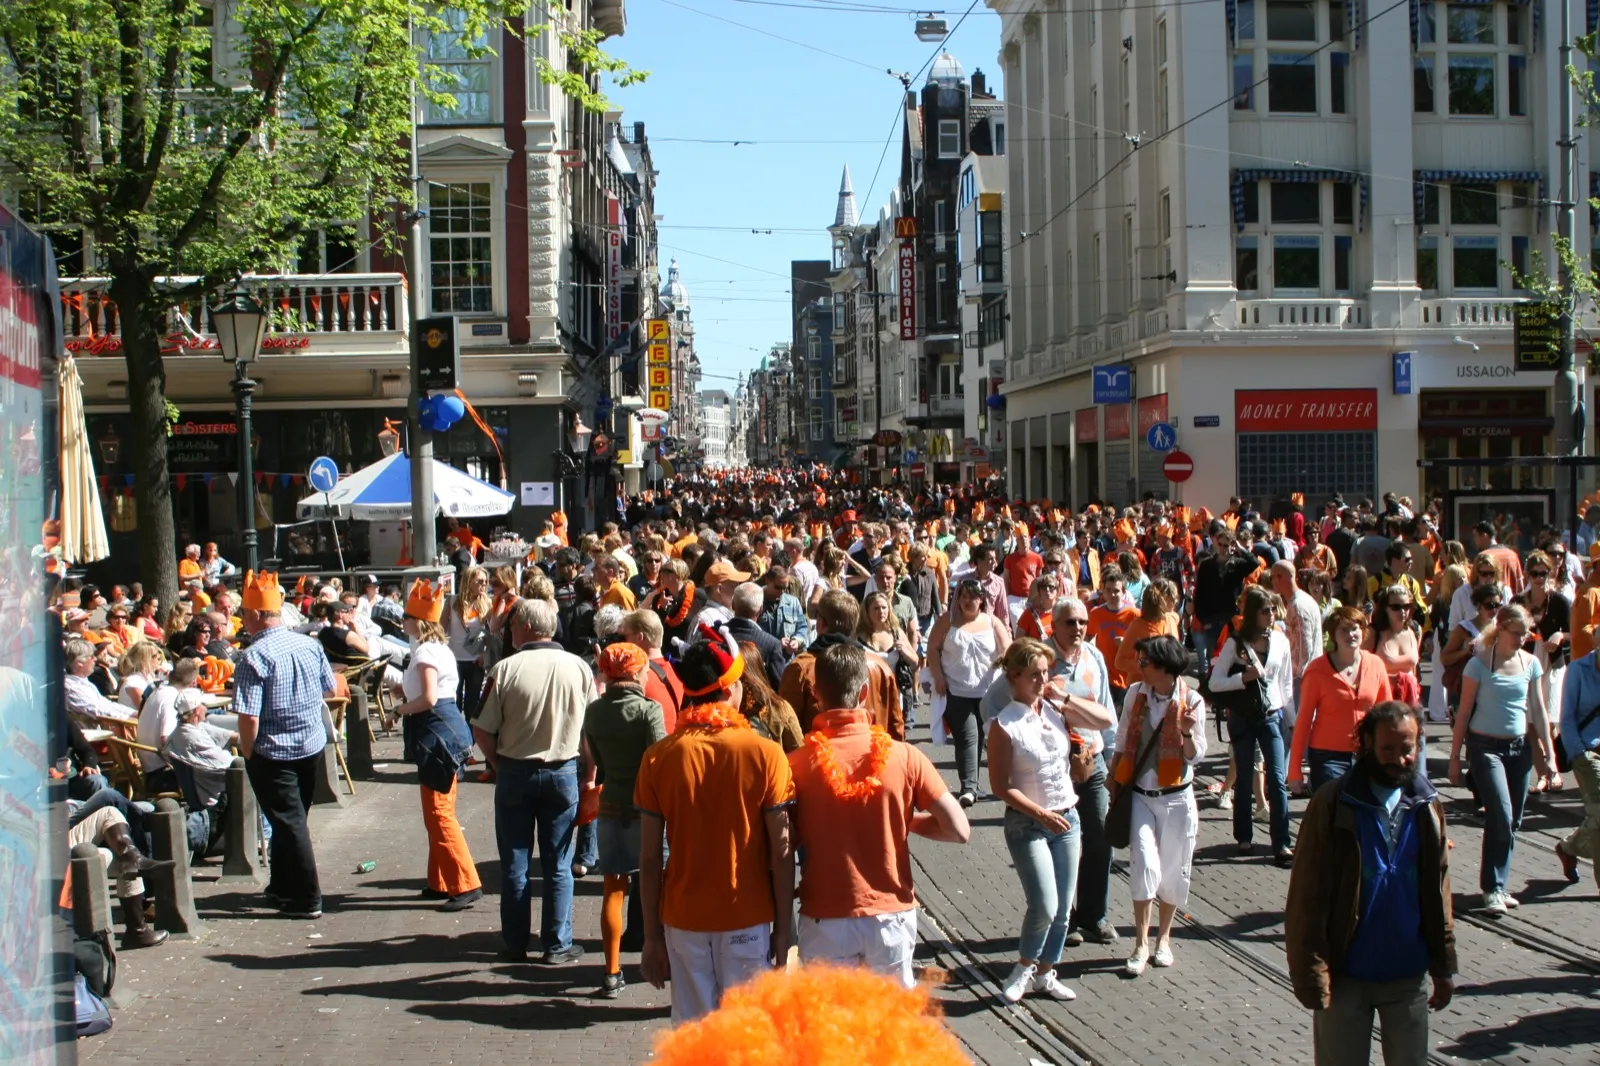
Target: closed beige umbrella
(83, 524)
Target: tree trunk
(142, 316)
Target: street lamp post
(240, 322)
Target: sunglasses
(119, 618)
(1401, 606)
(1494, 605)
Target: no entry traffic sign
(1178, 467)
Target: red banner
(1304, 410)
(1152, 409)
(1116, 421)
(1087, 424)
(908, 289)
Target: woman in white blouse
(1162, 714)
(1029, 770)
(1264, 654)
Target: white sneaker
(1019, 983)
(1262, 815)
(1135, 964)
(1494, 903)
(1162, 957)
(1226, 802)
(1047, 982)
(1511, 901)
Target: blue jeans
(1047, 863)
(1501, 771)
(535, 797)
(1328, 765)
(1266, 734)
(1094, 857)
(586, 847)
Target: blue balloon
(449, 409)
(996, 402)
(426, 408)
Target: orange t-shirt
(189, 570)
(619, 594)
(1331, 708)
(1106, 629)
(713, 789)
(857, 862)
(1038, 625)
(1021, 568)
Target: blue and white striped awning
(1354, 13)
(1299, 174)
(1416, 15)
(1423, 178)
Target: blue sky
(711, 80)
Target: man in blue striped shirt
(280, 683)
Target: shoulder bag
(1119, 814)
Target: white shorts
(883, 943)
(1164, 831)
(705, 965)
(1015, 605)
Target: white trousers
(92, 831)
(1015, 605)
(882, 943)
(1164, 831)
(705, 965)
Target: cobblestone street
(385, 979)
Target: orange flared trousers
(450, 866)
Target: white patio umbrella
(382, 492)
(83, 523)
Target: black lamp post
(240, 322)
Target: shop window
(1476, 262)
(1297, 263)
(1273, 465)
(1469, 23)
(1474, 205)
(1296, 203)
(1428, 264)
(1244, 77)
(1291, 83)
(1291, 20)
(1471, 85)
(1246, 264)
(1422, 85)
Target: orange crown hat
(1298, 499)
(818, 1013)
(621, 661)
(1180, 516)
(425, 603)
(1201, 521)
(1122, 531)
(262, 592)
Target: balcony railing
(310, 312)
(1302, 314)
(1459, 313)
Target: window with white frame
(1471, 60)
(816, 384)
(1164, 230)
(1098, 287)
(949, 138)
(839, 312)
(1299, 48)
(1469, 232)
(461, 247)
(1125, 85)
(991, 250)
(813, 348)
(1130, 263)
(1163, 106)
(947, 380)
(460, 66)
(1094, 132)
(816, 423)
(940, 275)
(1297, 239)
(332, 249)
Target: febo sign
(1304, 410)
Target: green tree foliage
(199, 141)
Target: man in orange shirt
(858, 797)
(1108, 623)
(1022, 564)
(721, 795)
(608, 573)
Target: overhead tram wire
(780, 37)
(1224, 102)
(900, 105)
(872, 9)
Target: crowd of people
(727, 679)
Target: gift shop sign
(1305, 410)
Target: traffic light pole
(424, 540)
(1565, 393)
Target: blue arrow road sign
(1113, 384)
(324, 474)
(1162, 437)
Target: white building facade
(1311, 279)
